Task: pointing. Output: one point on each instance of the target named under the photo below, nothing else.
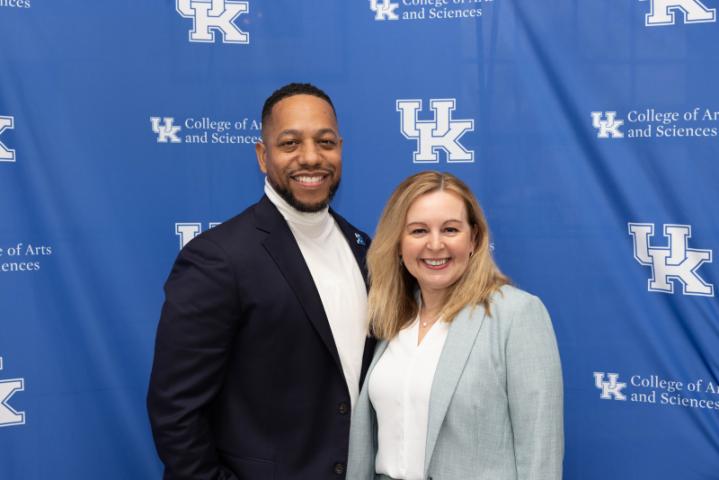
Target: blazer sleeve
(193, 339)
(534, 389)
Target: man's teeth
(306, 179)
(436, 263)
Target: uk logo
(384, 10)
(610, 388)
(441, 133)
(188, 231)
(8, 415)
(166, 131)
(675, 262)
(663, 12)
(607, 124)
(6, 154)
(212, 16)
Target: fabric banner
(588, 130)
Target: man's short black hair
(290, 90)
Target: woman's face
(437, 241)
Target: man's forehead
(299, 106)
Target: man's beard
(288, 197)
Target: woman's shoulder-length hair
(392, 302)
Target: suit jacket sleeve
(534, 388)
(196, 328)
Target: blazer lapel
(358, 242)
(283, 248)
(457, 347)
(381, 347)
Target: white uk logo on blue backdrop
(664, 12)
(8, 415)
(212, 16)
(675, 262)
(384, 10)
(6, 154)
(611, 388)
(607, 124)
(441, 133)
(186, 231)
(166, 131)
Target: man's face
(301, 152)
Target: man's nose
(310, 154)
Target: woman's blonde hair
(392, 302)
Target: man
(262, 343)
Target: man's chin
(310, 207)
(307, 206)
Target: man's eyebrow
(288, 132)
(320, 132)
(324, 131)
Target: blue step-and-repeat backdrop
(589, 130)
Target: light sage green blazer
(495, 410)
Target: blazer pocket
(249, 468)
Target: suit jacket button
(343, 408)
(339, 468)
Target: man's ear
(261, 152)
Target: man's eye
(288, 143)
(327, 142)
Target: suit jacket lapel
(283, 248)
(457, 347)
(359, 243)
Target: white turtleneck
(338, 280)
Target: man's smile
(311, 180)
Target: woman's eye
(417, 231)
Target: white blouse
(399, 389)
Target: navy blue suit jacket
(246, 382)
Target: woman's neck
(432, 303)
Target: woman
(466, 381)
